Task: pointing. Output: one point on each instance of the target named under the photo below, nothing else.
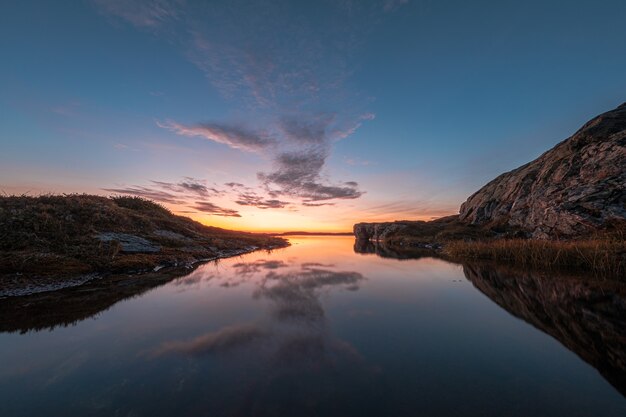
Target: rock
(130, 243)
(576, 188)
(376, 231)
(168, 234)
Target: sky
(293, 115)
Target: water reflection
(291, 347)
(586, 315)
(317, 329)
(62, 308)
(296, 314)
(367, 247)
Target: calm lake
(317, 329)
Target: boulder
(376, 231)
(575, 188)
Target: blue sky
(276, 115)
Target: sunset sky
(294, 115)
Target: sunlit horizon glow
(277, 116)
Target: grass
(56, 234)
(605, 256)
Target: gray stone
(168, 234)
(130, 243)
(376, 231)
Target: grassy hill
(56, 236)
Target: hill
(54, 241)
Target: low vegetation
(603, 252)
(605, 255)
(55, 235)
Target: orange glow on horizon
(328, 219)
(280, 222)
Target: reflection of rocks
(587, 316)
(395, 252)
(48, 310)
(377, 231)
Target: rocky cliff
(377, 231)
(573, 189)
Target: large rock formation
(573, 189)
(377, 231)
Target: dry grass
(600, 255)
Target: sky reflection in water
(314, 329)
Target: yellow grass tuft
(601, 256)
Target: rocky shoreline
(52, 243)
(18, 286)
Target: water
(313, 329)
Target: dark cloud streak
(210, 208)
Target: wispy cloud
(298, 174)
(185, 192)
(189, 185)
(210, 208)
(236, 137)
(306, 130)
(293, 89)
(253, 199)
(142, 13)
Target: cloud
(189, 185)
(184, 192)
(307, 204)
(210, 208)
(236, 137)
(298, 174)
(293, 89)
(142, 13)
(252, 199)
(306, 130)
(342, 132)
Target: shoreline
(598, 256)
(68, 282)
